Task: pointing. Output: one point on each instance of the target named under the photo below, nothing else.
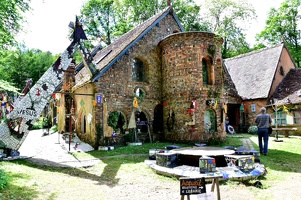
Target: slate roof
(229, 87)
(107, 56)
(289, 90)
(253, 73)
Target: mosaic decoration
(28, 110)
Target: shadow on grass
(281, 155)
(280, 160)
(13, 191)
(104, 172)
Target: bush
(54, 128)
(3, 180)
(214, 141)
(42, 122)
(252, 130)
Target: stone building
(165, 82)
(253, 79)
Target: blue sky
(47, 27)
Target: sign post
(189, 186)
(197, 186)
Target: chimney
(168, 2)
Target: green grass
(23, 180)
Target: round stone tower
(192, 86)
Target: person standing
(263, 121)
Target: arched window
(117, 121)
(207, 72)
(138, 71)
(83, 124)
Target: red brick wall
(182, 56)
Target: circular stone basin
(191, 155)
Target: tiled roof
(289, 90)
(229, 87)
(253, 73)
(109, 55)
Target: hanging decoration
(225, 107)
(132, 122)
(212, 103)
(135, 102)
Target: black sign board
(192, 186)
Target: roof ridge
(255, 52)
(143, 23)
(138, 26)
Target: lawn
(122, 174)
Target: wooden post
(216, 182)
(150, 137)
(182, 197)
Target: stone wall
(117, 86)
(182, 56)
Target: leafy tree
(107, 19)
(6, 86)
(225, 17)
(141, 10)
(18, 65)
(282, 24)
(99, 17)
(11, 20)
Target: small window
(83, 124)
(281, 71)
(208, 74)
(253, 107)
(281, 118)
(297, 117)
(139, 72)
(205, 72)
(140, 93)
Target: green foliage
(107, 19)
(113, 119)
(11, 20)
(225, 18)
(282, 24)
(100, 19)
(54, 128)
(4, 85)
(42, 122)
(20, 64)
(252, 130)
(214, 141)
(3, 180)
(130, 137)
